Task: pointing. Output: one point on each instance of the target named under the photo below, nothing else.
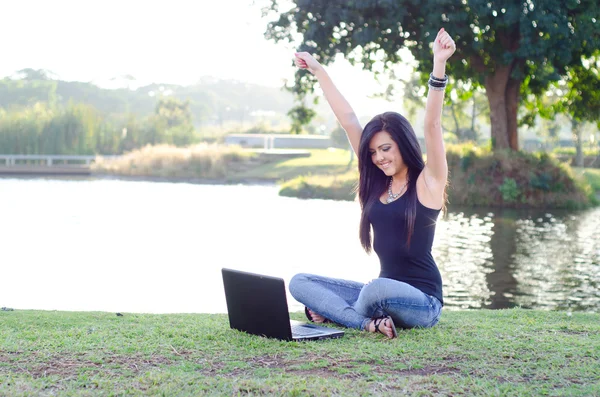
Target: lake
(102, 244)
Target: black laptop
(257, 304)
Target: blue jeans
(354, 304)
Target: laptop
(257, 304)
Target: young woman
(401, 198)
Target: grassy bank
(223, 163)
(320, 162)
(513, 179)
(477, 353)
(591, 176)
(479, 178)
(322, 186)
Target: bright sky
(167, 41)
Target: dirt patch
(39, 365)
(328, 367)
(66, 366)
(572, 332)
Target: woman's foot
(315, 317)
(384, 325)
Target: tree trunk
(473, 116)
(576, 131)
(351, 158)
(512, 106)
(457, 131)
(503, 105)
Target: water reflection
(504, 258)
(557, 264)
(463, 254)
(159, 247)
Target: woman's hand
(304, 60)
(443, 47)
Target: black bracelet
(432, 77)
(435, 83)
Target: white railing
(47, 159)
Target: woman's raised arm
(340, 106)
(436, 169)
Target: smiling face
(385, 154)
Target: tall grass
(198, 161)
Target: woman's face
(385, 154)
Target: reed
(204, 160)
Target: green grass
(591, 175)
(320, 162)
(340, 186)
(473, 353)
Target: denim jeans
(354, 304)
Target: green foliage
(328, 187)
(175, 118)
(570, 151)
(41, 130)
(15, 94)
(579, 94)
(339, 138)
(477, 177)
(513, 49)
(210, 101)
(469, 155)
(464, 108)
(540, 181)
(81, 129)
(301, 116)
(510, 190)
(513, 179)
(591, 177)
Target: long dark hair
(373, 182)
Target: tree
(30, 74)
(511, 48)
(461, 114)
(176, 118)
(580, 99)
(16, 94)
(301, 116)
(340, 140)
(577, 97)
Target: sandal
(307, 312)
(385, 321)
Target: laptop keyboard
(299, 330)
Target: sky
(173, 42)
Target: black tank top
(413, 265)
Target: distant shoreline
(196, 181)
(141, 178)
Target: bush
(512, 179)
(510, 190)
